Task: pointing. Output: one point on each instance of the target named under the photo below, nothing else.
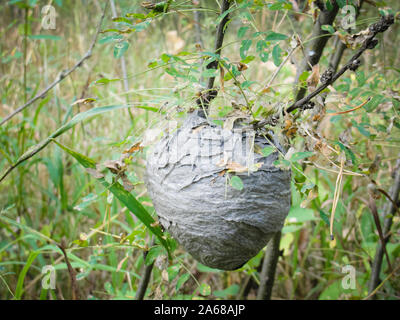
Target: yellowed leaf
(136, 147)
(84, 101)
(313, 79)
(121, 263)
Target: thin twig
(389, 210)
(281, 66)
(71, 271)
(63, 74)
(338, 188)
(373, 293)
(351, 110)
(374, 211)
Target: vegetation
(81, 104)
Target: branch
(340, 46)
(209, 94)
(144, 282)
(62, 75)
(320, 38)
(71, 271)
(369, 43)
(145, 279)
(389, 210)
(269, 267)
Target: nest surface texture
(220, 226)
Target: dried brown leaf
(136, 147)
(95, 173)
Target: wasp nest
(188, 174)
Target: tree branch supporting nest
(209, 94)
(267, 276)
(145, 279)
(319, 39)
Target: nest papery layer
(220, 226)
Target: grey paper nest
(218, 225)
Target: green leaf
(232, 290)
(274, 36)
(276, 6)
(120, 48)
(153, 253)
(203, 268)
(260, 48)
(247, 83)
(261, 45)
(329, 5)
(374, 102)
(242, 31)
(152, 64)
(236, 183)
(153, 109)
(276, 55)
(245, 46)
(122, 195)
(105, 81)
(324, 217)
(301, 155)
(86, 201)
(298, 214)
(141, 26)
(122, 19)
(205, 289)
(267, 151)
(70, 124)
(336, 290)
(348, 152)
(228, 76)
(173, 271)
(329, 28)
(111, 38)
(44, 37)
(304, 76)
(361, 79)
(19, 290)
(264, 56)
(165, 57)
(185, 277)
(248, 59)
(362, 130)
(341, 3)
